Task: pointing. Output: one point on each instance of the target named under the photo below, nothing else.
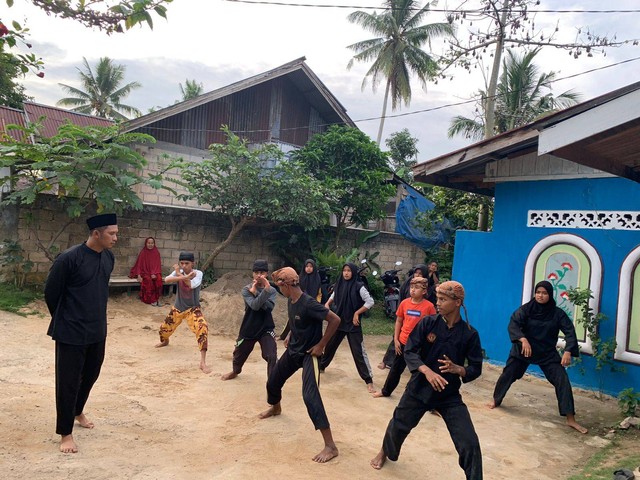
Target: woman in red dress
(148, 271)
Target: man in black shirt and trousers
(436, 353)
(76, 293)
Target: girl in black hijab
(351, 299)
(310, 279)
(534, 330)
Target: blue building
(567, 209)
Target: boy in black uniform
(76, 292)
(436, 352)
(305, 343)
(257, 325)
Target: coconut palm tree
(397, 50)
(102, 92)
(523, 95)
(191, 89)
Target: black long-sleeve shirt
(76, 293)
(431, 340)
(258, 318)
(542, 335)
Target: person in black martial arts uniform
(76, 293)
(534, 330)
(436, 353)
(304, 344)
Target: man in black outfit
(76, 292)
(304, 344)
(436, 353)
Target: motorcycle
(391, 291)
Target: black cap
(260, 265)
(186, 256)
(102, 220)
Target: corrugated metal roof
(11, 116)
(55, 117)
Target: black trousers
(456, 416)
(285, 367)
(398, 366)
(554, 372)
(77, 369)
(356, 344)
(390, 354)
(244, 348)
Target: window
(628, 324)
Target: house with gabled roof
(567, 209)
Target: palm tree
(191, 89)
(520, 98)
(397, 52)
(102, 92)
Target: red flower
(3, 30)
(552, 276)
(40, 74)
(564, 295)
(567, 265)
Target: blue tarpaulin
(410, 207)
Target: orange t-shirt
(411, 313)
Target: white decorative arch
(595, 276)
(625, 289)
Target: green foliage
(247, 185)
(403, 153)
(103, 91)
(377, 323)
(191, 89)
(13, 298)
(84, 167)
(11, 93)
(603, 350)
(12, 255)
(628, 401)
(443, 256)
(354, 169)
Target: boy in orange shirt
(409, 313)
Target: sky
(218, 42)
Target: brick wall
(177, 229)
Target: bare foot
(377, 394)
(327, 453)
(164, 343)
(229, 376)
(371, 388)
(67, 445)
(84, 421)
(272, 411)
(492, 404)
(571, 422)
(205, 368)
(382, 366)
(377, 462)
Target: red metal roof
(55, 117)
(11, 115)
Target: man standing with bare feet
(304, 344)
(187, 306)
(442, 352)
(76, 293)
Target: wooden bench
(123, 282)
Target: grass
(621, 453)
(377, 323)
(12, 298)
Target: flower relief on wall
(628, 320)
(566, 261)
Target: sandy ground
(158, 417)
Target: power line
(464, 11)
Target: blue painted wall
(490, 265)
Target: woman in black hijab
(534, 330)
(420, 270)
(351, 299)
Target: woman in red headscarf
(148, 271)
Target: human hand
(526, 347)
(153, 276)
(436, 381)
(566, 359)
(356, 319)
(447, 366)
(139, 278)
(398, 346)
(316, 350)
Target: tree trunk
(236, 228)
(490, 101)
(384, 111)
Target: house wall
(177, 229)
(491, 265)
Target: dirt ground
(158, 417)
